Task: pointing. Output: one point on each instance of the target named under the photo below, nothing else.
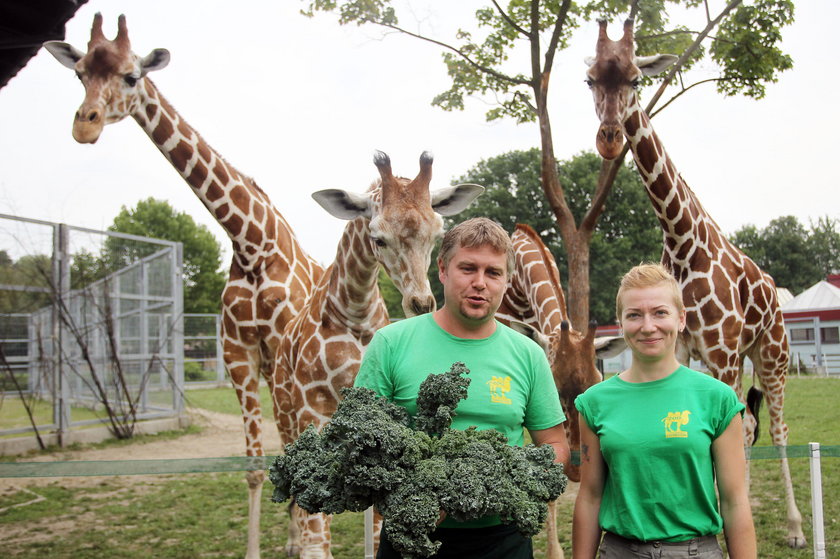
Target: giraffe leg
(314, 531)
(255, 482)
(377, 530)
(779, 433)
(243, 364)
(553, 549)
(293, 541)
(772, 372)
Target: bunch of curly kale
(369, 454)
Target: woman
(654, 440)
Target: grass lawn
(223, 400)
(13, 413)
(204, 515)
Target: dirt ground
(221, 435)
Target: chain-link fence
(203, 364)
(91, 328)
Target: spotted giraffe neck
(534, 295)
(234, 200)
(351, 289)
(538, 280)
(683, 219)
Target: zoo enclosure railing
(813, 451)
(102, 314)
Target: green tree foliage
(795, 256)
(628, 232)
(203, 280)
(29, 271)
(391, 295)
(740, 43)
(824, 242)
(86, 268)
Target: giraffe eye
(588, 82)
(379, 242)
(130, 80)
(636, 83)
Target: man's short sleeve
(544, 410)
(374, 371)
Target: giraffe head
(613, 76)
(572, 356)
(111, 75)
(403, 224)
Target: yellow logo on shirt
(498, 387)
(673, 423)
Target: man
(511, 384)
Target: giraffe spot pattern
(249, 339)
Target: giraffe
(732, 309)
(535, 305)
(270, 277)
(393, 225)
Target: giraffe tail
(754, 398)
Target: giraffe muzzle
(609, 141)
(87, 125)
(420, 305)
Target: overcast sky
(301, 104)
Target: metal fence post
(178, 328)
(369, 533)
(62, 290)
(817, 502)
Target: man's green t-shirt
(656, 440)
(511, 385)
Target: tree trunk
(575, 241)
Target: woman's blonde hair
(644, 275)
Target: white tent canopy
(821, 295)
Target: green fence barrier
(134, 467)
(248, 463)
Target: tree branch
(510, 21)
(26, 406)
(688, 52)
(522, 98)
(634, 9)
(487, 70)
(606, 179)
(562, 14)
(685, 90)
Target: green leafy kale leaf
(370, 455)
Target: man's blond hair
(474, 233)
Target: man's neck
(451, 324)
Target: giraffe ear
(65, 53)
(609, 346)
(654, 64)
(155, 60)
(343, 204)
(589, 61)
(454, 199)
(531, 332)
